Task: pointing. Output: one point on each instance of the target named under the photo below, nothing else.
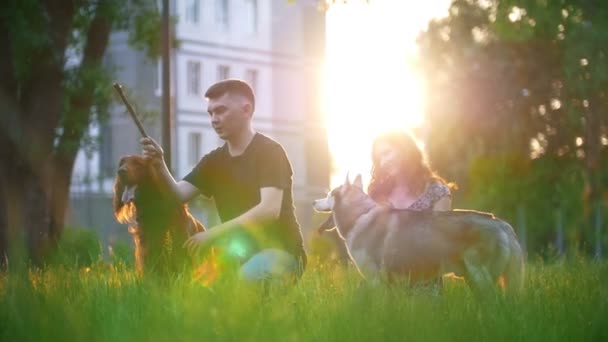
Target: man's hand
(198, 241)
(152, 150)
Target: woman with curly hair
(403, 179)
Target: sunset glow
(371, 83)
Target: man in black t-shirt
(250, 179)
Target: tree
(578, 29)
(521, 88)
(53, 85)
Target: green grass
(566, 302)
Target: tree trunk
(3, 223)
(26, 215)
(10, 186)
(32, 207)
(60, 194)
(37, 217)
(12, 224)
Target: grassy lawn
(567, 302)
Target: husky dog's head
(328, 203)
(343, 195)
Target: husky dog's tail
(515, 271)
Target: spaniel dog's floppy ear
(119, 188)
(124, 192)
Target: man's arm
(267, 210)
(182, 190)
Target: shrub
(78, 247)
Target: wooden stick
(120, 92)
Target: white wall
(208, 43)
(237, 35)
(210, 61)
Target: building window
(251, 16)
(223, 72)
(222, 14)
(192, 11)
(194, 148)
(251, 77)
(194, 77)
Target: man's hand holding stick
(151, 149)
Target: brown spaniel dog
(158, 221)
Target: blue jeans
(270, 264)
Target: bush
(77, 248)
(121, 253)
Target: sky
(371, 83)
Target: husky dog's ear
(347, 181)
(358, 182)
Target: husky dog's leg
(367, 267)
(477, 275)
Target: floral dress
(431, 195)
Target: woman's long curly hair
(413, 167)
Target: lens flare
(227, 254)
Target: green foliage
(26, 24)
(560, 302)
(522, 108)
(543, 187)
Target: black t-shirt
(235, 183)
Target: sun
(371, 83)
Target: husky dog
(421, 245)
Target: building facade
(276, 46)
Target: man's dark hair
(232, 86)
